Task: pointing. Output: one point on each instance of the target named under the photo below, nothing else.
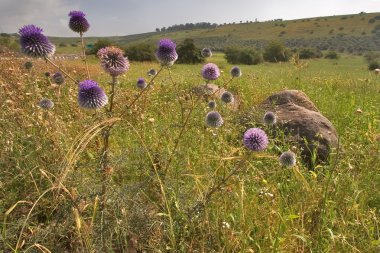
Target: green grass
(334, 208)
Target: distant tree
(188, 53)
(236, 55)
(276, 52)
(140, 52)
(98, 45)
(158, 30)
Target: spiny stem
(60, 69)
(84, 55)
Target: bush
(373, 66)
(189, 53)
(93, 49)
(243, 56)
(276, 52)
(331, 55)
(140, 52)
(309, 53)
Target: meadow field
(175, 185)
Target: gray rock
(300, 119)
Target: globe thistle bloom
(255, 139)
(58, 78)
(28, 65)
(214, 119)
(287, 159)
(141, 84)
(236, 72)
(78, 23)
(269, 118)
(91, 96)
(206, 52)
(227, 97)
(46, 104)
(210, 71)
(113, 61)
(152, 72)
(212, 105)
(34, 43)
(166, 53)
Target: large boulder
(300, 119)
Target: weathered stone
(298, 117)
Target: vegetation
(331, 55)
(235, 55)
(140, 52)
(188, 53)
(276, 52)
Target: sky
(124, 17)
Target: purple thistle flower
(212, 105)
(78, 23)
(214, 119)
(46, 104)
(58, 78)
(91, 96)
(113, 61)
(227, 97)
(269, 118)
(210, 71)
(255, 139)
(287, 159)
(141, 84)
(206, 52)
(152, 72)
(34, 43)
(166, 53)
(236, 71)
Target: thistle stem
(84, 57)
(60, 69)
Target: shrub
(308, 53)
(371, 21)
(276, 52)
(331, 55)
(93, 49)
(140, 52)
(373, 65)
(189, 53)
(243, 56)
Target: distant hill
(354, 33)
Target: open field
(164, 161)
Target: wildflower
(152, 72)
(78, 23)
(46, 104)
(210, 71)
(166, 53)
(255, 139)
(28, 65)
(269, 118)
(214, 119)
(141, 84)
(288, 159)
(227, 97)
(212, 105)
(206, 52)
(113, 61)
(58, 78)
(91, 96)
(236, 72)
(34, 43)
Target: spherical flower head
(28, 65)
(212, 105)
(91, 96)
(78, 23)
(210, 71)
(113, 61)
(269, 118)
(58, 78)
(166, 53)
(236, 72)
(287, 159)
(141, 84)
(34, 43)
(47, 74)
(46, 104)
(152, 72)
(227, 97)
(206, 52)
(255, 139)
(214, 119)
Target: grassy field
(164, 161)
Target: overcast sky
(123, 17)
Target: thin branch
(60, 69)
(84, 55)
